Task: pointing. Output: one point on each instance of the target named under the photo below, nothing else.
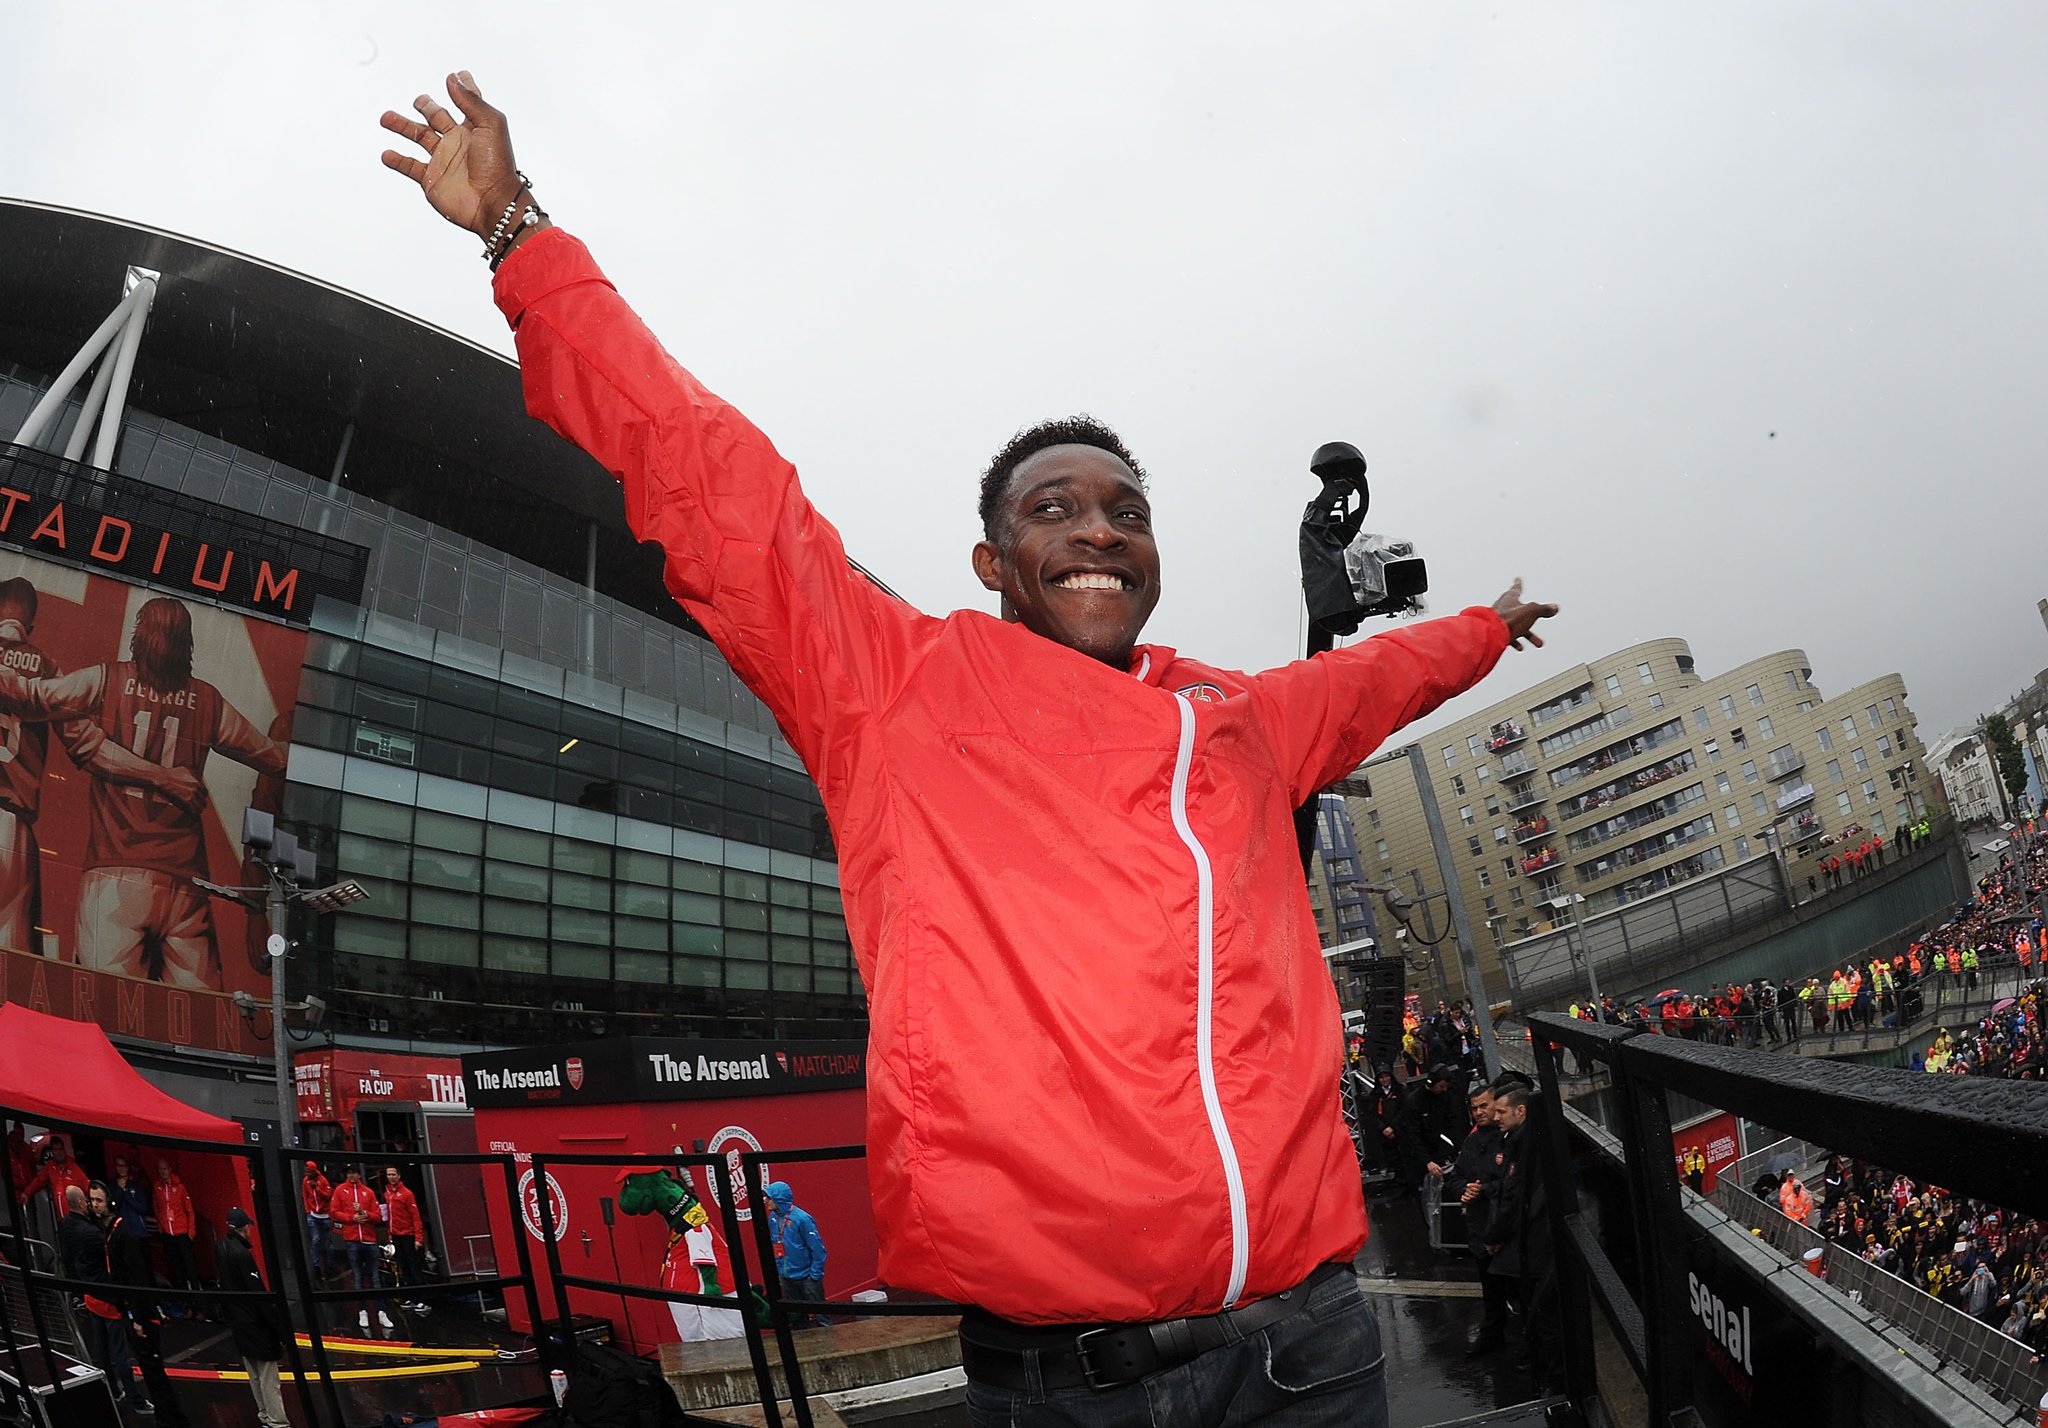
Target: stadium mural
(135, 727)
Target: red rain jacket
(1103, 1043)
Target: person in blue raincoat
(803, 1250)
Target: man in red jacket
(402, 1219)
(175, 1222)
(357, 1216)
(1100, 1025)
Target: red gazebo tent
(55, 1069)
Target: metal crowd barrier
(1998, 1362)
(1985, 1139)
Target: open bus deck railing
(1986, 1139)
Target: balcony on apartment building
(1529, 830)
(1794, 796)
(1786, 764)
(1505, 735)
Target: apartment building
(1968, 771)
(1629, 774)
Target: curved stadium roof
(294, 369)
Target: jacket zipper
(1233, 1176)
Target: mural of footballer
(138, 913)
(24, 754)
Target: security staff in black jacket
(1385, 1123)
(1466, 1178)
(1518, 1235)
(128, 1264)
(1435, 1116)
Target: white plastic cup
(559, 1382)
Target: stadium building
(451, 670)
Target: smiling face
(1073, 556)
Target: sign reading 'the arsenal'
(649, 1068)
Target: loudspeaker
(1379, 986)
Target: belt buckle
(1088, 1374)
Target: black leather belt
(1121, 1354)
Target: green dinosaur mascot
(690, 1247)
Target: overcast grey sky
(1560, 270)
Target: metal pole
(1468, 958)
(1436, 961)
(81, 431)
(1585, 951)
(45, 410)
(278, 904)
(124, 367)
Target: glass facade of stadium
(570, 817)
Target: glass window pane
(698, 907)
(697, 971)
(523, 919)
(447, 908)
(690, 940)
(574, 924)
(444, 830)
(461, 871)
(746, 946)
(640, 966)
(696, 877)
(746, 976)
(577, 890)
(358, 855)
(746, 914)
(593, 963)
(376, 818)
(516, 880)
(368, 938)
(516, 954)
(576, 856)
(749, 887)
(641, 932)
(449, 946)
(520, 845)
(640, 901)
(635, 866)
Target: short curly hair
(1078, 430)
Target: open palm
(468, 174)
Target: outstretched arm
(468, 174)
(747, 555)
(1328, 713)
(68, 696)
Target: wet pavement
(1426, 1326)
(431, 1365)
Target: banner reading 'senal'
(135, 727)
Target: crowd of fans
(1982, 1260)
(1987, 1262)
(1999, 928)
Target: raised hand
(1521, 615)
(468, 174)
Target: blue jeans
(320, 1235)
(1321, 1367)
(365, 1258)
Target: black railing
(1985, 1139)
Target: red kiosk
(657, 1095)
